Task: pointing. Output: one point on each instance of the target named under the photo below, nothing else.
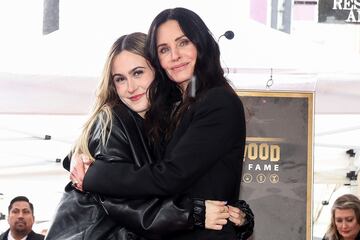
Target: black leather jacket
(86, 215)
(91, 216)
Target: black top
(203, 159)
(31, 236)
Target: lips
(20, 223)
(136, 97)
(179, 67)
(345, 232)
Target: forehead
(169, 30)
(343, 213)
(20, 205)
(126, 61)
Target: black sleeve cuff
(247, 228)
(199, 213)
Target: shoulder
(124, 114)
(221, 97)
(120, 115)
(222, 93)
(35, 236)
(4, 235)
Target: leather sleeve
(147, 216)
(153, 216)
(244, 231)
(217, 123)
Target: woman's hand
(79, 165)
(236, 215)
(216, 214)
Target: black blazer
(31, 236)
(203, 159)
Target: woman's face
(177, 54)
(346, 223)
(132, 77)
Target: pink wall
(258, 10)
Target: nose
(131, 85)
(344, 225)
(175, 54)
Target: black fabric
(247, 228)
(199, 213)
(204, 155)
(31, 236)
(79, 216)
(89, 216)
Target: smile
(179, 67)
(136, 97)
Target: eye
(163, 50)
(118, 78)
(15, 211)
(184, 42)
(138, 73)
(26, 211)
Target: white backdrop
(47, 85)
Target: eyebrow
(136, 68)
(130, 72)
(20, 209)
(176, 39)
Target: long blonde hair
(346, 201)
(106, 95)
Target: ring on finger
(74, 183)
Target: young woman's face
(132, 77)
(346, 223)
(177, 54)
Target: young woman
(345, 219)
(194, 113)
(114, 134)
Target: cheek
(338, 225)
(163, 62)
(355, 226)
(120, 90)
(193, 54)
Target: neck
(18, 235)
(184, 86)
(191, 83)
(142, 114)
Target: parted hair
(346, 201)
(106, 95)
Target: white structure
(47, 85)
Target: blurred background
(52, 53)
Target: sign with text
(339, 11)
(277, 170)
